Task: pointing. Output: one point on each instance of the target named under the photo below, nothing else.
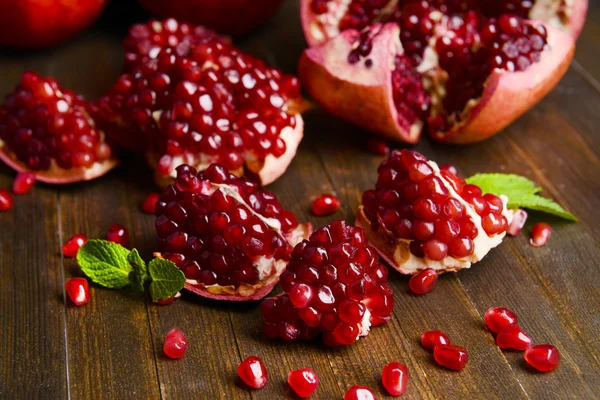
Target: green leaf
(105, 263)
(167, 279)
(139, 275)
(538, 203)
(509, 185)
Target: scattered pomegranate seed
(517, 223)
(429, 339)
(169, 300)
(253, 372)
(498, 318)
(423, 282)
(540, 233)
(118, 234)
(543, 357)
(72, 246)
(6, 200)
(149, 204)
(175, 344)
(395, 378)
(78, 291)
(303, 382)
(513, 337)
(23, 183)
(357, 392)
(378, 147)
(325, 204)
(453, 357)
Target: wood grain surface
(112, 347)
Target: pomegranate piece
(423, 282)
(230, 238)
(78, 291)
(378, 147)
(6, 200)
(429, 339)
(253, 372)
(303, 382)
(175, 344)
(498, 318)
(394, 378)
(513, 337)
(72, 246)
(23, 183)
(326, 204)
(543, 357)
(334, 284)
(149, 204)
(422, 217)
(358, 392)
(169, 300)
(540, 234)
(47, 130)
(518, 222)
(452, 357)
(118, 234)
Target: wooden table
(112, 347)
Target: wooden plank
(587, 46)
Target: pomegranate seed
(78, 291)
(517, 223)
(452, 357)
(175, 344)
(169, 300)
(429, 339)
(6, 200)
(378, 147)
(513, 337)
(149, 204)
(543, 357)
(540, 233)
(358, 392)
(118, 234)
(72, 246)
(23, 183)
(325, 204)
(395, 378)
(253, 372)
(303, 382)
(498, 318)
(423, 282)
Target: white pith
(365, 325)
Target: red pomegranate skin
(36, 24)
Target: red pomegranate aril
(6, 200)
(118, 234)
(149, 204)
(358, 392)
(326, 204)
(429, 339)
(435, 250)
(498, 318)
(169, 300)
(423, 282)
(23, 183)
(175, 344)
(513, 337)
(517, 223)
(452, 357)
(253, 372)
(543, 357)
(303, 382)
(378, 147)
(394, 378)
(540, 234)
(78, 291)
(72, 246)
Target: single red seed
(513, 337)
(253, 372)
(325, 204)
(169, 300)
(423, 282)
(303, 382)
(358, 392)
(175, 344)
(149, 204)
(429, 339)
(72, 246)
(378, 147)
(78, 291)
(517, 223)
(23, 183)
(6, 200)
(118, 234)
(540, 233)
(453, 357)
(543, 357)
(498, 318)
(395, 378)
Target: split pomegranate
(149, 204)
(498, 318)
(461, 69)
(169, 300)
(540, 234)
(118, 234)
(72, 246)
(253, 372)
(452, 357)
(6, 200)
(78, 291)
(421, 217)
(48, 131)
(543, 357)
(358, 392)
(518, 222)
(204, 103)
(303, 382)
(23, 183)
(513, 337)
(325, 204)
(394, 378)
(429, 339)
(378, 147)
(230, 238)
(175, 344)
(423, 282)
(334, 284)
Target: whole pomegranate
(34, 24)
(232, 17)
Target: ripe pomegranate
(358, 392)
(232, 17)
(394, 378)
(23, 183)
(498, 318)
(422, 217)
(423, 282)
(175, 344)
(78, 291)
(253, 372)
(429, 339)
(230, 238)
(325, 204)
(72, 246)
(303, 382)
(452, 357)
(543, 357)
(201, 103)
(513, 337)
(463, 70)
(48, 131)
(6, 200)
(540, 234)
(518, 222)
(35, 24)
(334, 284)
(149, 203)
(118, 234)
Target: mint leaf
(105, 263)
(167, 279)
(538, 203)
(139, 274)
(509, 185)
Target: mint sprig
(165, 281)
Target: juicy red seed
(6, 200)
(175, 344)
(78, 291)
(378, 147)
(435, 250)
(449, 168)
(513, 337)
(543, 357)
(429, 339)
(423, 282)
(117, 234)
(358, 392)
(149, 204)
(23, 183)
(540, 234)
(498, 318)
(169, 300)
(72, 246)
(517, 223)
(325, 204)
(494, 223)
(253, 372)
(394, 378)
(452, 357)
(301, 295)
(461, 247)
(303, 382)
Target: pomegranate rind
(577, 19)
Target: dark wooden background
(112, 347)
